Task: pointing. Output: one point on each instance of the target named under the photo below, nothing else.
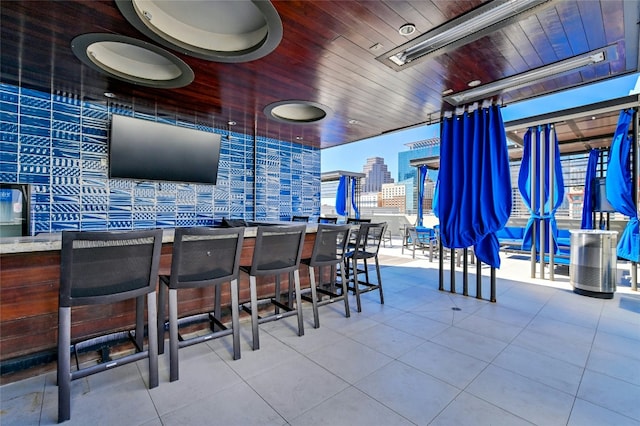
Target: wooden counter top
(52, 242)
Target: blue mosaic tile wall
(59, 145)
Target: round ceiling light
(297, 112)
(407, 29)
(132, 60)
(221, 31)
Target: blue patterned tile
(94, 225)
(65, 105)
(64, 208)
(120, 208)
(144, 224)
(8, 158)
(94, 208)
(65, 217)
(65, 226)
(41, 226)
(93, 217)
(144, 216)
(65, 135)
(120, 224)
(9, 176)
(65, 126)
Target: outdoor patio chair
(300, 219)
(277, 251)
(367, 245)
(329, 250)
(424, 240)
(103, 268)
(202, 257)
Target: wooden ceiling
(325, 56)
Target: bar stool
(329, 249)
(102, 268)
(277, 250)
(300, 219)
(332, 219)
(202, 257)
(367, 245)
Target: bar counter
(29, 286)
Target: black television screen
(147, 150)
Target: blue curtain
(474, 183)
(436, 190)
(619, 188)
(423, 175)
(353, 198)
(341, 197)
(545, 214)
(588, 202)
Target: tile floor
(540, 355)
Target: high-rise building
(376, 173)
(393, 195)
(408, 174)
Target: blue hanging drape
(436, 197)
(545, 214)
(341, 197)
(353, 198)
(619, 188)
(588, 202)
(474, 182)
(421, 179)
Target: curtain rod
(438, 119)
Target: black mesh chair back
(300, 219)
(329, 249)
(327, 219)
(102, 268)
(202, 257)
(106, 267)
(366, 247)
(330, 244)
(354, 221)
(205, 256)
(368, 240)
(277, 250)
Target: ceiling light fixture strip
(465, 29)
(520, 80)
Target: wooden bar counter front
(29, 284)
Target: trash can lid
(592, 231)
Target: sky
(352, 156)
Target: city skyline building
(408, 174)
(376, 174)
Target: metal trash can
(593, 262)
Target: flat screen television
(149, 151)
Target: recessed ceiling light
(407, 29)
(353, 121)
(221, 31)
(231, 123)
(131, 60)
(299, 138)
(109, 95)
(474, 83)
(376, 46)
(447, 92)
(593, 118)
(297, 112)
